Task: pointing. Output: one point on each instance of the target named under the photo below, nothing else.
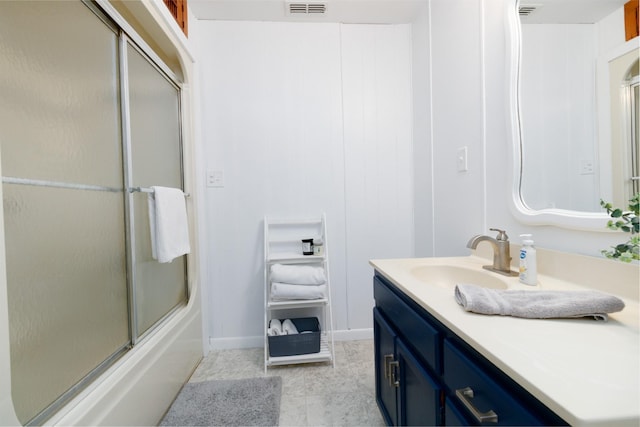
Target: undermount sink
(448, 276)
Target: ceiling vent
(528, 9)
(306, 8)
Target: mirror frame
(576, 220)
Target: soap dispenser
(528, 270)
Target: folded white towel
(537, 304)
(275, 328)
(298, 274)
(285, 291)
(168, 224)
(288, 328)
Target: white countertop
(586, 371)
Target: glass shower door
(156, 159)
(62, 172)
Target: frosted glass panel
(66, 288)
(59, 115)
(65, 248)
(159, 287)
(155, 125)
(156, 160)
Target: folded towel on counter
(168, 224)
(298, 274)
(537, 304)
(285, 291)
(275, 328)
(288, 328)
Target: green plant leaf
(626, 257)
(628, 222)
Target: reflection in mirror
(577, 142)
(635, 130)
(630, 114)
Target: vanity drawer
(423, 337)
(462, 373)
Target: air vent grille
(306, 8)
(317, 8)
(297, 8)
(528, 9)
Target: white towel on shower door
(168, 224)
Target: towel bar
(57, 184)
(147, 190)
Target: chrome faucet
(501, 252)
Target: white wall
(457, 121)
(376, 87)
(277, 113)
(422, 152)
(473, 34)
(291, 142)
(610, 31)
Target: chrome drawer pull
(465, 395)
(387, 359)
(393, 382)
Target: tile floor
(313, 394)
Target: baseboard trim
(235, 342)
(258, 341)
(353, 334)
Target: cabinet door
(452, 416)
(384, 339)
(419, 394)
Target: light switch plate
(586, 167)
(215, 178)
(461, 159)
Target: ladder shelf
(283, 245)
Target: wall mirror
(574, 82)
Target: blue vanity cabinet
(479, 394)
(385, 353)
(427, 375)
(419, 394)
(452, 415)
(406, 392)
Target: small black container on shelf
(293, 345)
(307, 246)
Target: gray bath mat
(247, 402)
